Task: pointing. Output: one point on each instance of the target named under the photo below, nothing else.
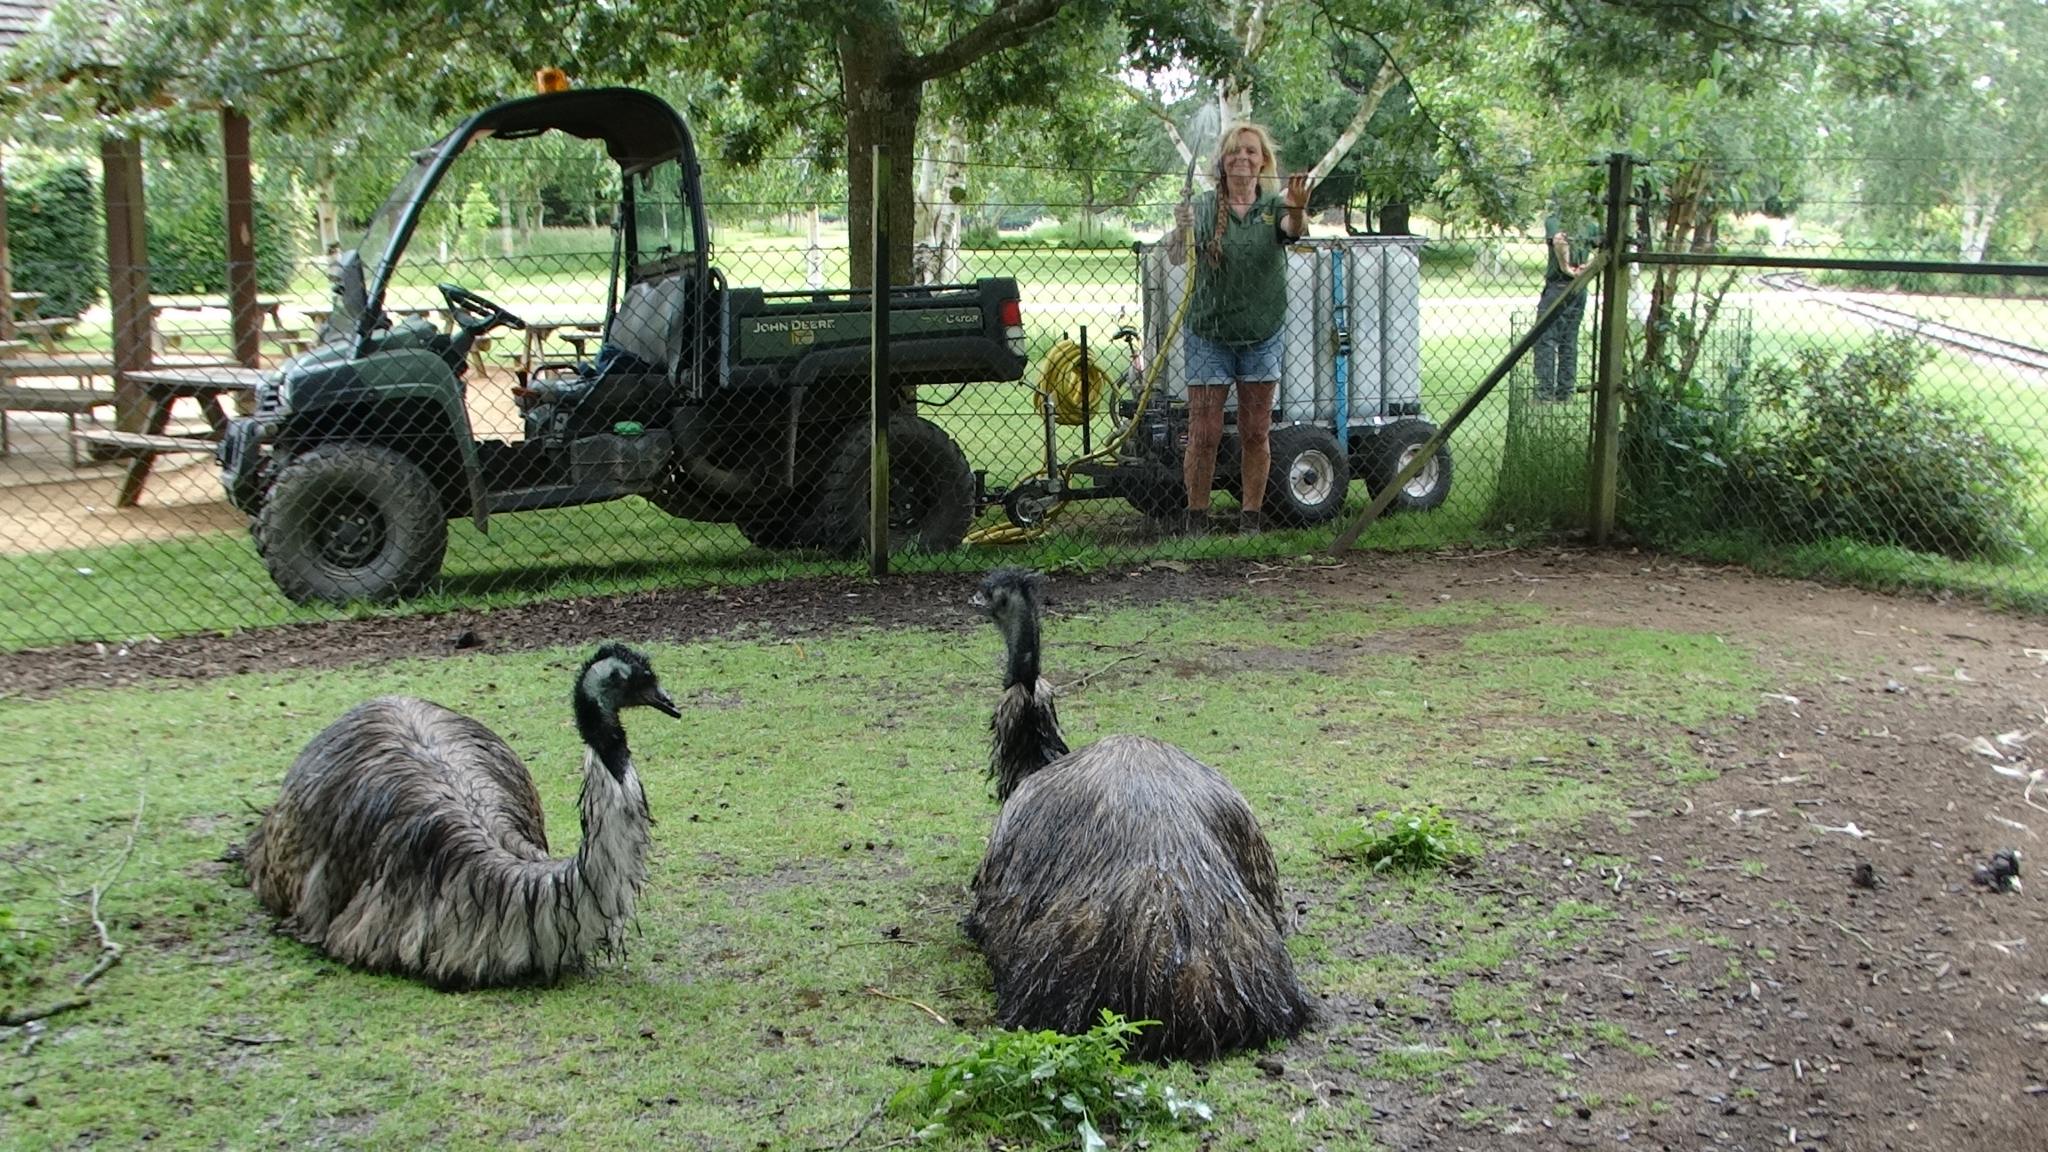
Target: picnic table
(576, 333)
(29, 325)
(159, 340)
(163, 388)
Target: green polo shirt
(1244, 299)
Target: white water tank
(1373, 282)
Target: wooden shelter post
(241, 228)
(127, 273)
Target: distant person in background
(1557, 349)
(1241, 230)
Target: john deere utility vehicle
(714, 402)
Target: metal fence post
(880, 399)
(1605, 463)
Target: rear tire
(1309, 477)
(1391, 450)
(350, 522)
(931, 490)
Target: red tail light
(1012, 314)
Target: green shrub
(1845, 448)
(188, 245)
(1404, 842)
(1102, 232)
(1042, 1084)
(56, 242)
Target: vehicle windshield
(349, 269)
(376, 242)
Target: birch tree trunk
(1979, 210)
(1369, 103)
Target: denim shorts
(1210, 362)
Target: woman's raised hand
(1297, 190)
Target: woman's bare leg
(1254, 437)
(1205, 433)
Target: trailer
(1349, 405)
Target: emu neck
(1020, 640)
(603, 734)
(611, 862)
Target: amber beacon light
(550, 80)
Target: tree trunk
(1369, 103)
(1979, 213)
(882, 107)
(326, 212)
(814, 256)
(949, 216)
(508, 223)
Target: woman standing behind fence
(1232, 333)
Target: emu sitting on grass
(1127, 875)
(409, 838)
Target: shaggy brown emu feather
(1127, 875)
(409, 838)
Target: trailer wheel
(1391, 450)
(351, 522)
(931, 490)
(1309, 477)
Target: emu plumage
(1126, 875)
(409, 838)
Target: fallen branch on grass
(873, 991)
(110, 949)
(15, 1018)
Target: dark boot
(1194, 522)
(1250, 521)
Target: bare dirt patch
(1731, 984)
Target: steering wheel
(475, 314)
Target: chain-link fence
(509, 397)
(1800, 401)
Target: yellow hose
(1059, 376)
(1059, 383)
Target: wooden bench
(71, 402)
(155, 444)
(140, 449)
(46, 332)
(290, 341)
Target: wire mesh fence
(540, 403)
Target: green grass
(819, 811)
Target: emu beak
(979, 600)
(660, 701)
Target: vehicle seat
(630, 378)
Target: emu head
(613, 679)
(1010, 598)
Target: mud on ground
(1750, 990)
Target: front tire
(1391, 450)
(350, 522)
(1309, 477)
(931, 490)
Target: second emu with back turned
(1127, 875)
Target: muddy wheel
(351, 522)
(1391, 450)
(1309, 477)
(931, 490)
